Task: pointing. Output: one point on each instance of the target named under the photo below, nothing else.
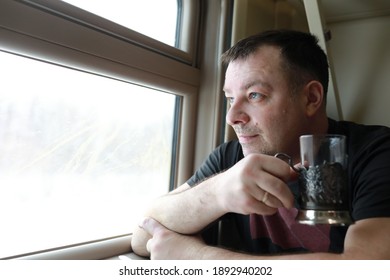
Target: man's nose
(236, 115)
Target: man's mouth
(245, 139)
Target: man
(276, 84)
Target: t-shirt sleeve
(370, 177)
(222, 158)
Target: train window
(154, 18)
(96, 120)
(79, 153)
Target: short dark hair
(303, 58)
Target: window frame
(31, 31)
(44, 29)
(96, 249)
(187, 24)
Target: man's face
(263, 113)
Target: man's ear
(314, 93)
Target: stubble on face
(261, 143)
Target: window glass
(153, 18)
(80, 154)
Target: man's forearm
(187, 210)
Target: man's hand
(256, 184)
(166, 244)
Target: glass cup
(323, 181)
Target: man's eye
(230, 100)
(256, 95)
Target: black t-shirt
(368, 149)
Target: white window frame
(52, 31)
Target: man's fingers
(148, 244)
(151, 226)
